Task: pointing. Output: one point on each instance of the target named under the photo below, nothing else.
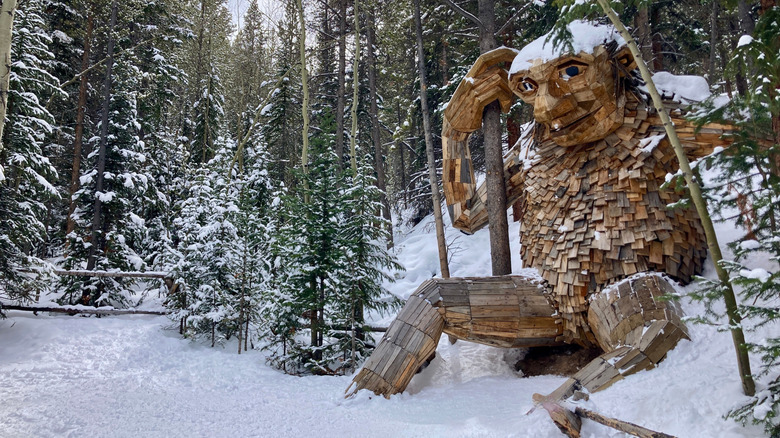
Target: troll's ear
(625, 59)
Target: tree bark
(500, 255)
(97, 218)
(658, 55)
(7, 11)
(713, 40)
(735, 319)
(355, 89)
(341, 77)
(644, 34)
(379, 152)
(305, 84)
(79, 133)
(443, 264)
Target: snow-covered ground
(134, 376)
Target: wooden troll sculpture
(594, 221)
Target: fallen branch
(623, 426)
(76, 310)
(85, 273)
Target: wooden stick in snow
(623, 426)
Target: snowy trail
(127, 376)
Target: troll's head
(578, 95)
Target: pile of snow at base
(134, 376)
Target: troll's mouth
(556, 126)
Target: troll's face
(575, 97)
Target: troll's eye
(527, 85)
(568, 71)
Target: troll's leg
(634, 327)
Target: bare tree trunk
(340, 99)
(746, 22)
(355, 89)
(500, 256)
(644, 34)
(97, 218)
(735, 319)
(305, 83)
(713, 40)
(658, 56)
(7, 11)
(379, 153)
(445, 269)
(402, 156)
(79, 133)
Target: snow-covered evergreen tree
(282, 127)
(27, 192)
(221, 262)
(128, 185)
(330, 263)
(209, 112)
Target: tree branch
(98, 64)
(508, 22)
(466, 14)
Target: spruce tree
(221, 262)
(28, 190)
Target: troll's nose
(550, 104)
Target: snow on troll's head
(578, 92)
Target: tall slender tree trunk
(341, 77)
(658, 55)
(399, 144)
(355, 95)
(7, 11)
(500, 256)
(644, 34)
(207, 140)
(713, 40)
(379, 152)
(79, 133)
(97, 218)
(443, 264)
(746, 26)
(305, 84)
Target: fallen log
(76, 311)
(623, 426)
(99, 311)
(85, 273)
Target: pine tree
(27, 191)
(282, 128)
(209, 114)
(221, 262)
(127, 185)
(331, 259)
